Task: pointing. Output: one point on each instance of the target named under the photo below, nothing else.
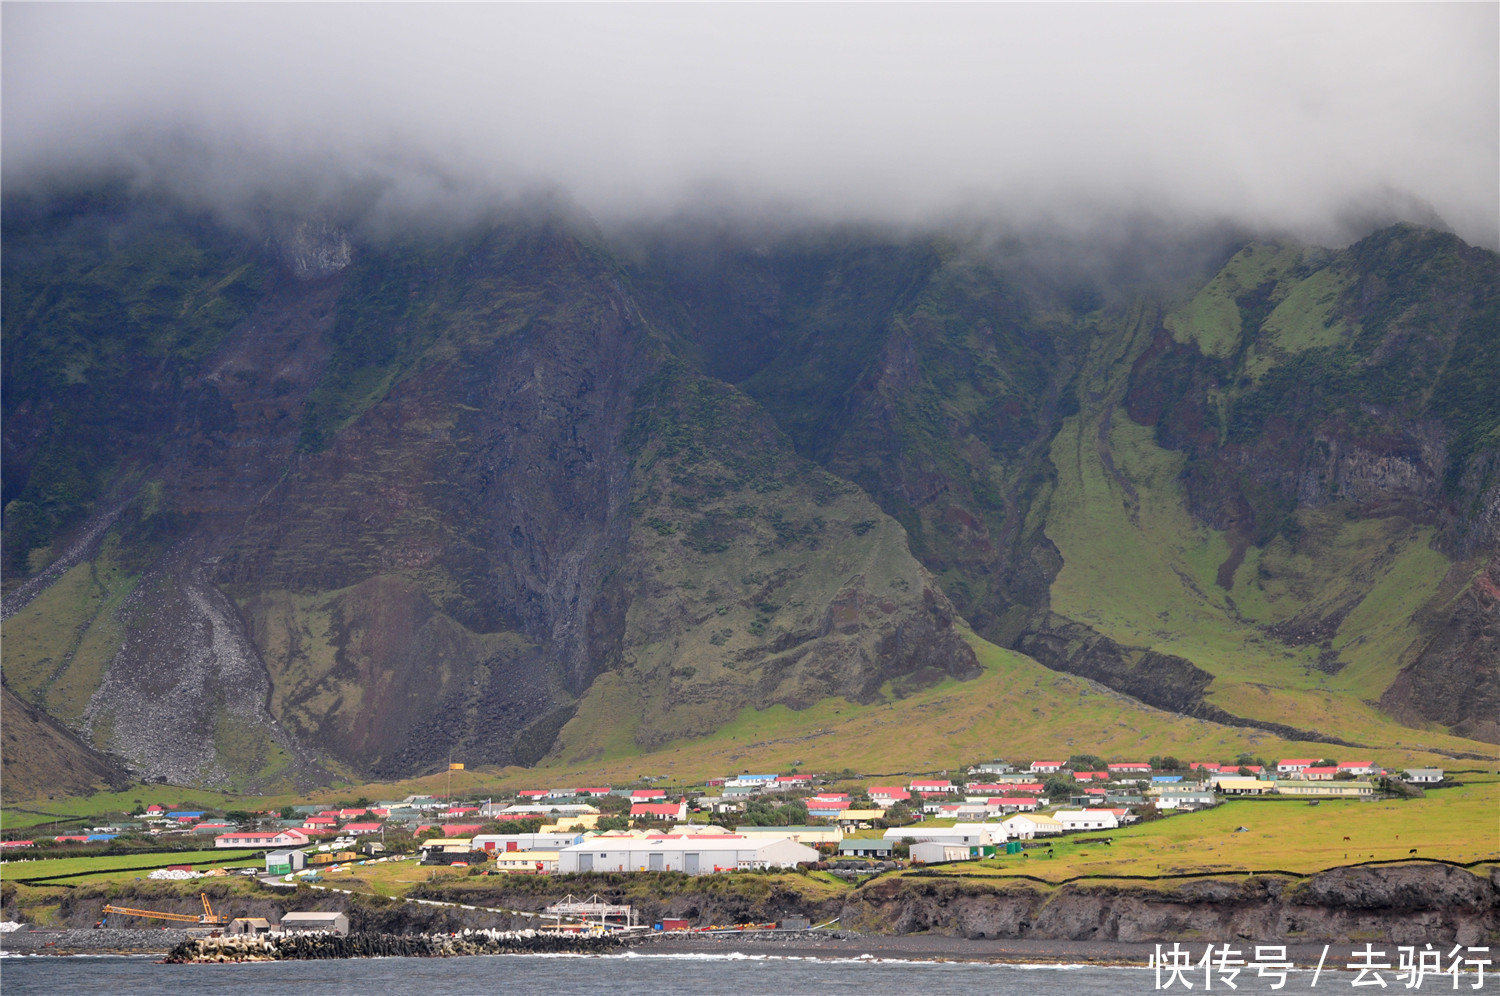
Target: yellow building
(1243, 786)
(583, 821)
(527, 862)
(1326, 790)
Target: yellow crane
(208, 918)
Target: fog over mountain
(1323, 120)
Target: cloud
(1305, 117)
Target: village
(743, 822)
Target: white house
(1046, 767)
(1086, 819)
(1026, 826)
(1423, 776)
(1359, 767)
(697, 855)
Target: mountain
(304, 503)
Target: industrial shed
(695, 855)
(336, 922)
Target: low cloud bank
(1316, 120)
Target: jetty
(326, 946)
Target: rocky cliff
(1412, 904)
(303, 503)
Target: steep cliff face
(305, 504)
(1453, 678)
(420, 498)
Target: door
(690, 863)
(655, 862)
(585, 862)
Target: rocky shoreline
(932, 916)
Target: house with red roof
(1205, 766)
(932, 786)
(889, 793)
(154, 810)
(320, 822)
(532, 794)
(598, 791)
(1294, 765)
(1046, 767)
(1319, 774)
(1030, 788)
(270, 840)
(1358, 767)
(660, 810)
(647, 795)
(1091, 776)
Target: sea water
(623, 975)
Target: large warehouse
(696, 855)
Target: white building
(1183, 797)
(336, 922)
(1423, 776)
(1026, 826)
(502, 842)
(1086, 819)
(696, 855)
(932, 851)
(959, 834)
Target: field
(74, 811)
(1454, 824)
(114, 867)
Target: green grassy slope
(1322, 612)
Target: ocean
(628, 975)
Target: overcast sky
(1296, 116)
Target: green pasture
(111, 866)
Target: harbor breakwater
(321, 946)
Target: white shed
(931, 851)
(695, 855)
(333, 921)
